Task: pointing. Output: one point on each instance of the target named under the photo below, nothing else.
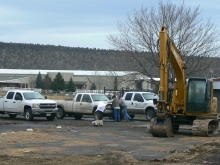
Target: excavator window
(196, 100)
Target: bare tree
(197, 40)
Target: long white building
(22, 78)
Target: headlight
(35, 105)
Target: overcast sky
(77, 23)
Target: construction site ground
(68, 141)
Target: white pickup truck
(27, 103)
(83, 104)
(140, 103)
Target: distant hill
(31, 56)
(49, 57)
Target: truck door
(128, 102)
(85, 105)
(138, 103)
(76, 103)
(17, 105)
(8, 102)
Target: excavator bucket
(161, 129)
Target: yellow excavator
(182, 101)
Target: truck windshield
(32, 95)
(149, 96)
(99, 98)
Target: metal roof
(75, 72)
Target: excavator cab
(198, 95)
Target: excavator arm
(170, 57)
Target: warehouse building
(20, 78)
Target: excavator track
(205, 127)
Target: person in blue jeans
(116, 108)
(124, 108)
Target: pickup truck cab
(27, 103)
(83, 104)
(140, 103)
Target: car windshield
(99, 98)
(149, 96)
(32, 95)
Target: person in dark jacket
(116, 108)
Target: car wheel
(60, 113)
(12, 116)
(28, 114)
(150, 114)
(50, 118)
(78, 117)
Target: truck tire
(28, 114)
(60, 113)
(150, 114)
(50, 118)
(12, 116)
(78, 117)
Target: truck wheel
(78, 117)
(150, 114)
(60, 113)
(12, 116)
(28, 114)
(50, 118)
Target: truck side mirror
(155, 101)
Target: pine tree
(47, 81)
(93, 87)
(116, 84)
(71, 86)
(58, 83)
(39, 81)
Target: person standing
(116, 108)
(124, 108)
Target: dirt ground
(71, 141)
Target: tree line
(57, 84)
